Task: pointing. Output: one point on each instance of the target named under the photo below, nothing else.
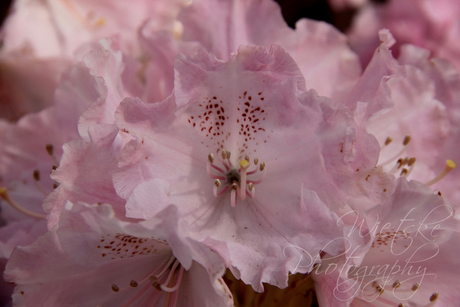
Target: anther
(450, 165)
(224, 154)
(401, 305)
(388, 140)
(262, 166)
(380, 290)
(115, 288)
(234, 186)
(406, 140)
(415, 287)
(217, 183)
(133, 283)
(228, 154)
(375, 284)
(211, 157)
(396, 285)
(403, 172)
(256, 161)
(411, 161)
(36, 175)
(246, 157)
(250, 186)
(49, 149)
(434, 297)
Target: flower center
(239, 181)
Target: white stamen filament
(15, 205)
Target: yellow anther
(2, 191)
(450, 164)
(244, 164)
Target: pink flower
(419, 130)
(91, 259)
(429, 24)
(247, 155)
(410, 261)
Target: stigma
(237, 179)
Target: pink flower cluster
(146, 147)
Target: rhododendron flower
(92, 259)
(411, 260)
(247, 155)
(419, 132)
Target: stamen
(401, 305)
(388, 140)
(415, 287)
(450, 165)
(396, 285)
(171, 272)
(179, 278)
(256, 161)
(134, 298)
(405, 143)
(224, 154)
(50, 151)
(262, 166)
(403, 172)
(434, 297)
(133, 283)
(252, 190)
(406, 140)
(36, 175)
(115, 288)
(246, 157)
(15, 205)
(211, 157)
(243, 167)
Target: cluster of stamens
(406, 165)
(376, 292)
(165, 279)
(238, 180)
(36, 176)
